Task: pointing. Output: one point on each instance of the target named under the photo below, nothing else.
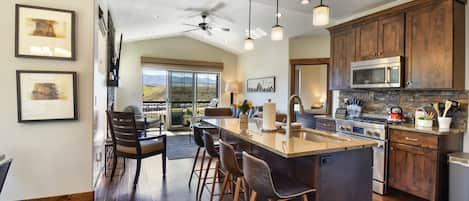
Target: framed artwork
(46, 95)
(265, 84)
(44, 33)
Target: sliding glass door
(189, 94)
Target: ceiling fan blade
(195, 9)
(220, 28)
(192, 25)
(229, 19)
(190, 30)
(217, 7)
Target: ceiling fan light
(249, 44)
(304, 2)
(277, 33)
(321, 15)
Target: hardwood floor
(152, 187)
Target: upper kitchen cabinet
(342, 55)
(383, 37)
(435, 46)
(367, 41)
(391, 36)
(429, 34)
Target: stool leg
(253, 196)
(205, 178)
(200, 174)
(223, 186)
(238, 186)
(305, 197)
(212, 192)
(194, 164)
(245, 189)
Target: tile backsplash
(378, 102)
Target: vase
(243, 121)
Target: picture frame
(264, 84)
(46, 95)
(44, 33)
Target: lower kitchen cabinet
(418, 163)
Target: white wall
(49, 158)
(269, 60)
(310, 46)
(131, 86)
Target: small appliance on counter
(395, 115)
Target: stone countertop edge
(432, 131)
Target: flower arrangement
(245, 106)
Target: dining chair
(4, 167)
(127, 142)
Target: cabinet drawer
(325, 124)
(416, 139)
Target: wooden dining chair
(128, 144)
(4, 167)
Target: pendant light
(277, 30)
(249, 42)
(321, 15)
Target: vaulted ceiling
(146, 19)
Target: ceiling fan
(205, 26)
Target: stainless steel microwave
(377, 73)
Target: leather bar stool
(200, 145)
(229, 163)
(213, 153)
(280, 188)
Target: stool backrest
(258, 175)
(198, 137)
(4, 167)
(209, 144)
(228, 159)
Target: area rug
(180, 146)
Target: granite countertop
(433, 131)
(306, 142)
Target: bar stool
(213, 153)
(229, 163)
(200, 145)
(258, 175)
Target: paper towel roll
(268, 116)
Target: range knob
(369, 133)
(377, 134)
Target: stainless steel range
(371, 129)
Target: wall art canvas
(46, 95)
(45, 33)
(266, 84)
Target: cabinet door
(391, 36)
(429, 47)
(412, 169)
(342, 54)
(367, 41)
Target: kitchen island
(339, 167)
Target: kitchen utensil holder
(354, 111)
(444, 122)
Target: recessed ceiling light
(156, 17)
(304, 2)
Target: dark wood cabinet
(432, 60)
(342, 55)
(367, 40)
(418, 163)
(413, 169)
(391, 31)
(429, 34)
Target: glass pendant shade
(321, 15)
(277, 33)
(249, 44)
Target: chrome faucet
(291, 111)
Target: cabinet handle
(411, 139)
